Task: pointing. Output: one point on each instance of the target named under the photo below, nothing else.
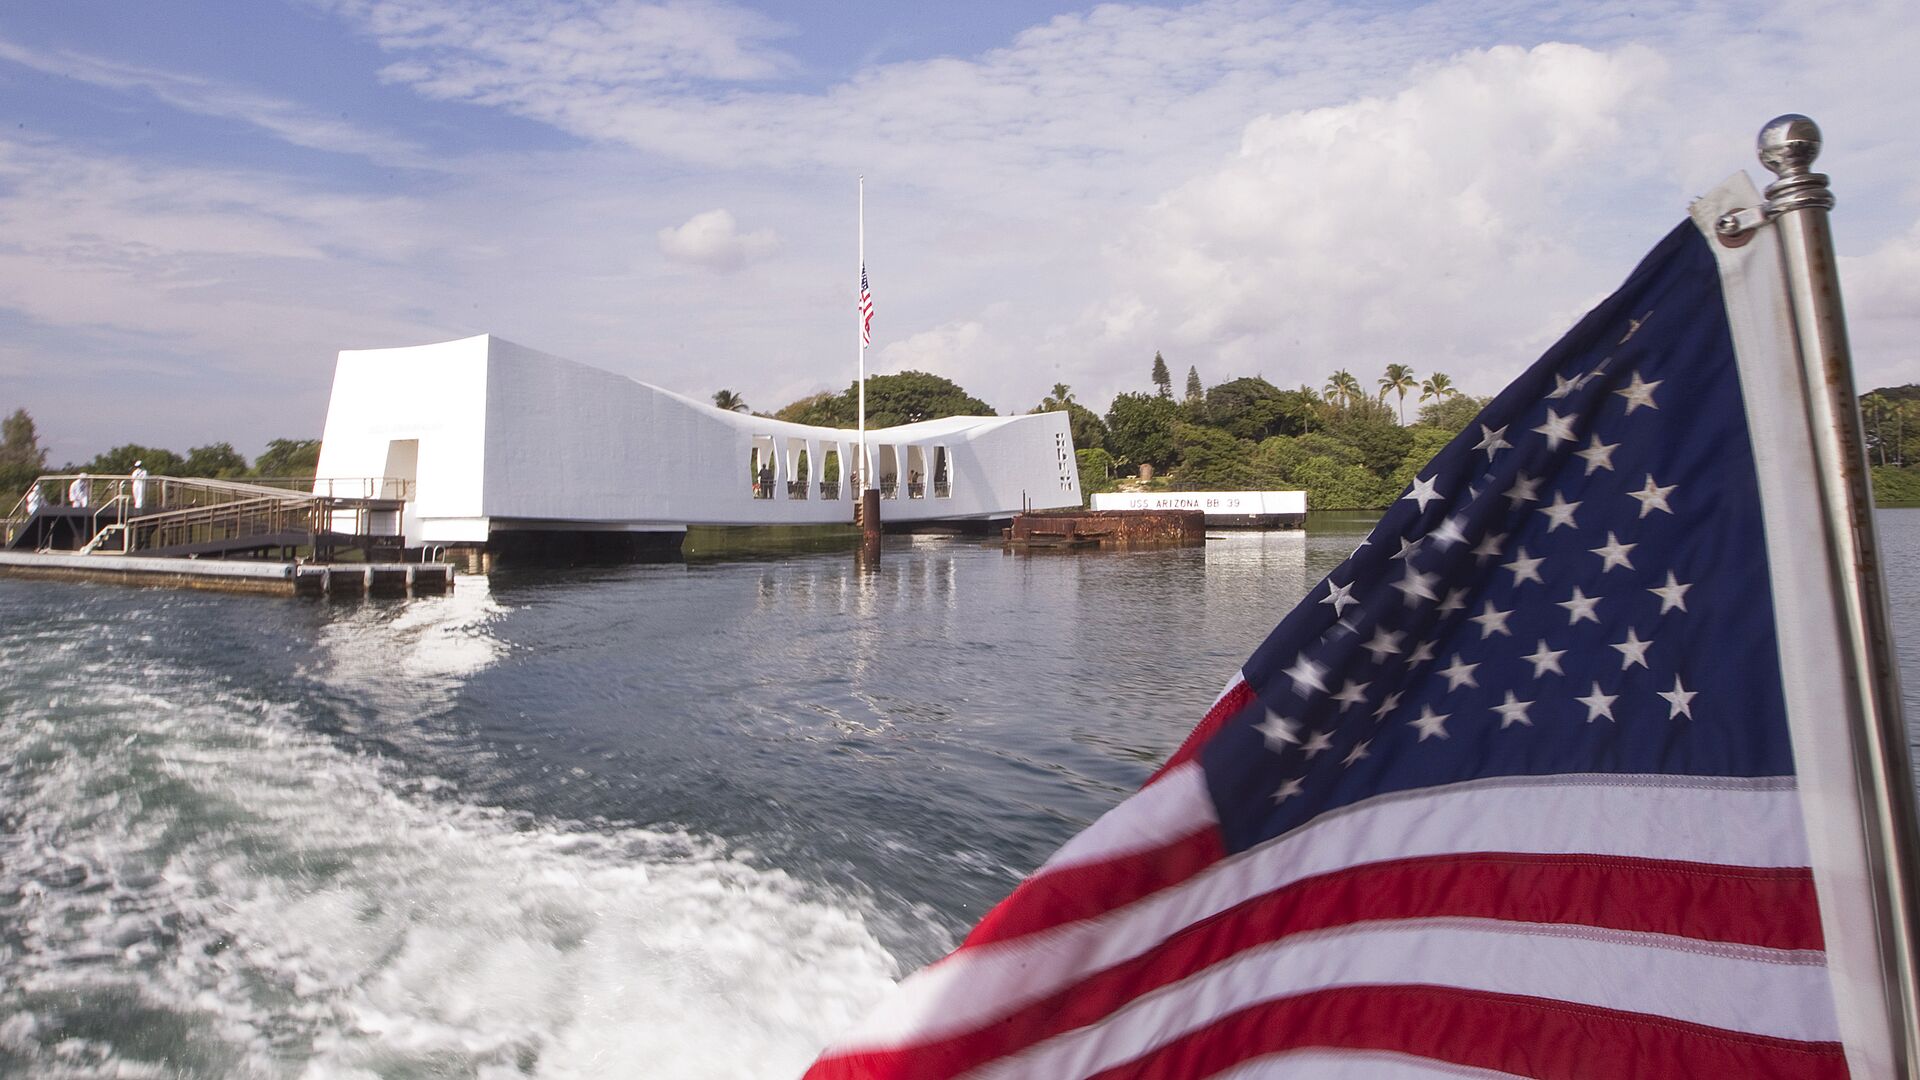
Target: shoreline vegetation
(1343, 443)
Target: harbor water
(672, 820)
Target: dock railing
(167, 511)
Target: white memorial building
(485, 437)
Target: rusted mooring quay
(1081, 529)
(237, 575)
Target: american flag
(866, 308)
(1511, 790)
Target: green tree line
(23, 458)
(1890, 425)
(1340, 443)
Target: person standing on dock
(80, 492)
(139, 486)
(33, 499)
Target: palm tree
(1873, 407)
(1063, 394)
(1437, 385)
(1343, 388)
(730, 401)
(1398, 379)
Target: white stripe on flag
(1735, 822)
(1757, 991)
(1356, 1065)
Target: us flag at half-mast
(1525, 785)
(866, 308)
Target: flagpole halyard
(1797, 203)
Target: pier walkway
(170, 516)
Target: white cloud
(1247, 186)
(285, 120)
(1394, 229)
(714, 241)
(471, 48)
(950, 350)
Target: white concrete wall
(434, 393)
(514, 438)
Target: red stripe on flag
(1236, 698)
(1551, 1040)
(1767, 907)
(1051, 898)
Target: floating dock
(236, 575)
(1072, 530)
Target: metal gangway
(93, 513)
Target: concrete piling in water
(870, 523)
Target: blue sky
(201, 203)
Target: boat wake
(193, 883)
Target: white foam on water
(295, 909)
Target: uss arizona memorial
(499, 443)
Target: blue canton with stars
(1576, 584)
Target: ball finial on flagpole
(1787, 146)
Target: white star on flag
(1287, 790)
(1340, 596)
(1391, 703)
(1279, 731)
(1544, 659)
(1580, 606)
(1598, 455)
(1489, 548)
(1307, 673)
(1513, 711)
(1351, 694)
(1525, 489)
(1633, 650)
(1639, 393)
(1448, 533)
(1557, 429)
(1418, 586)
(1384, 642)
(1613, 553)
(1598, 704)
(1422, 492)
(1560, 512)
(1653, 497)
(1459, 673)
(1672, 595)
(1492, 621)
(1317, 743)
(1492, 441)
(1680, 699)
(1525, 568)
(1430, 724)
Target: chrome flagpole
(860, 339)
(1798, 202)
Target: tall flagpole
(860, 338)
(1798, 202)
